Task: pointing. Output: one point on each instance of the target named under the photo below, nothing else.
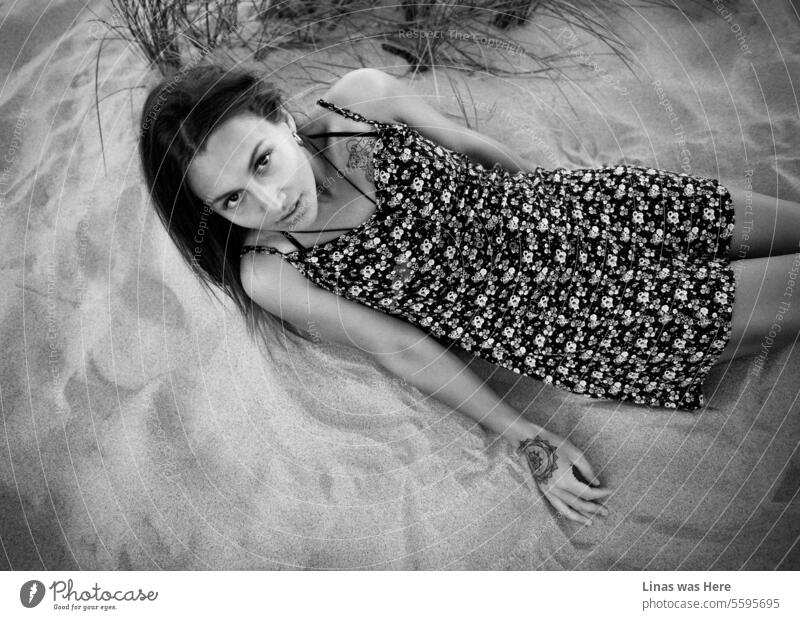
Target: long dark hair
(178, 116)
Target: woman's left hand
(551, 459)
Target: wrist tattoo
(541, 456)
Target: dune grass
(465, 35)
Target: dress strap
(294, 241)
(260, 249)
(347, 113)
(325, 134)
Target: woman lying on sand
(385, 226)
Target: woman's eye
(262, 161)
(228, 204)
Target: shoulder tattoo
(359, 155)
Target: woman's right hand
(551, 459)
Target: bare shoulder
(386, 98)
(383, 97)
(279, 288)
(367, 91)
(263, 275)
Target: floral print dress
(611, 282)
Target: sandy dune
(142, 429)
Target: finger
(590, 493)
(585, 468)
(565, 510)
(587, 508)
(567, 480)
(584, 508)
(564, 479)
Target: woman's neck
(325, 172)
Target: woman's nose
(268, 196)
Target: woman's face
(255, 174)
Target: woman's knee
(764, 225)
(766, 308)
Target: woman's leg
(765, 225)
(766, 308)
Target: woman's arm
(410, 353)
(435, 370)
(391, 100)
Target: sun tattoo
(541, 456)
(360, 155)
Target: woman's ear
(288, 119)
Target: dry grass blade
(460, 100)
(97, 102)
(152, 26)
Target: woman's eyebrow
(253, 156)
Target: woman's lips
(299, 213)
(292, 212)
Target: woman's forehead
(234, 132)
(228, 147)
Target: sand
(142, 429)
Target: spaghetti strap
(347, 113)
(259, 249)
(325, 134)
(294, 241)
(268, 249)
